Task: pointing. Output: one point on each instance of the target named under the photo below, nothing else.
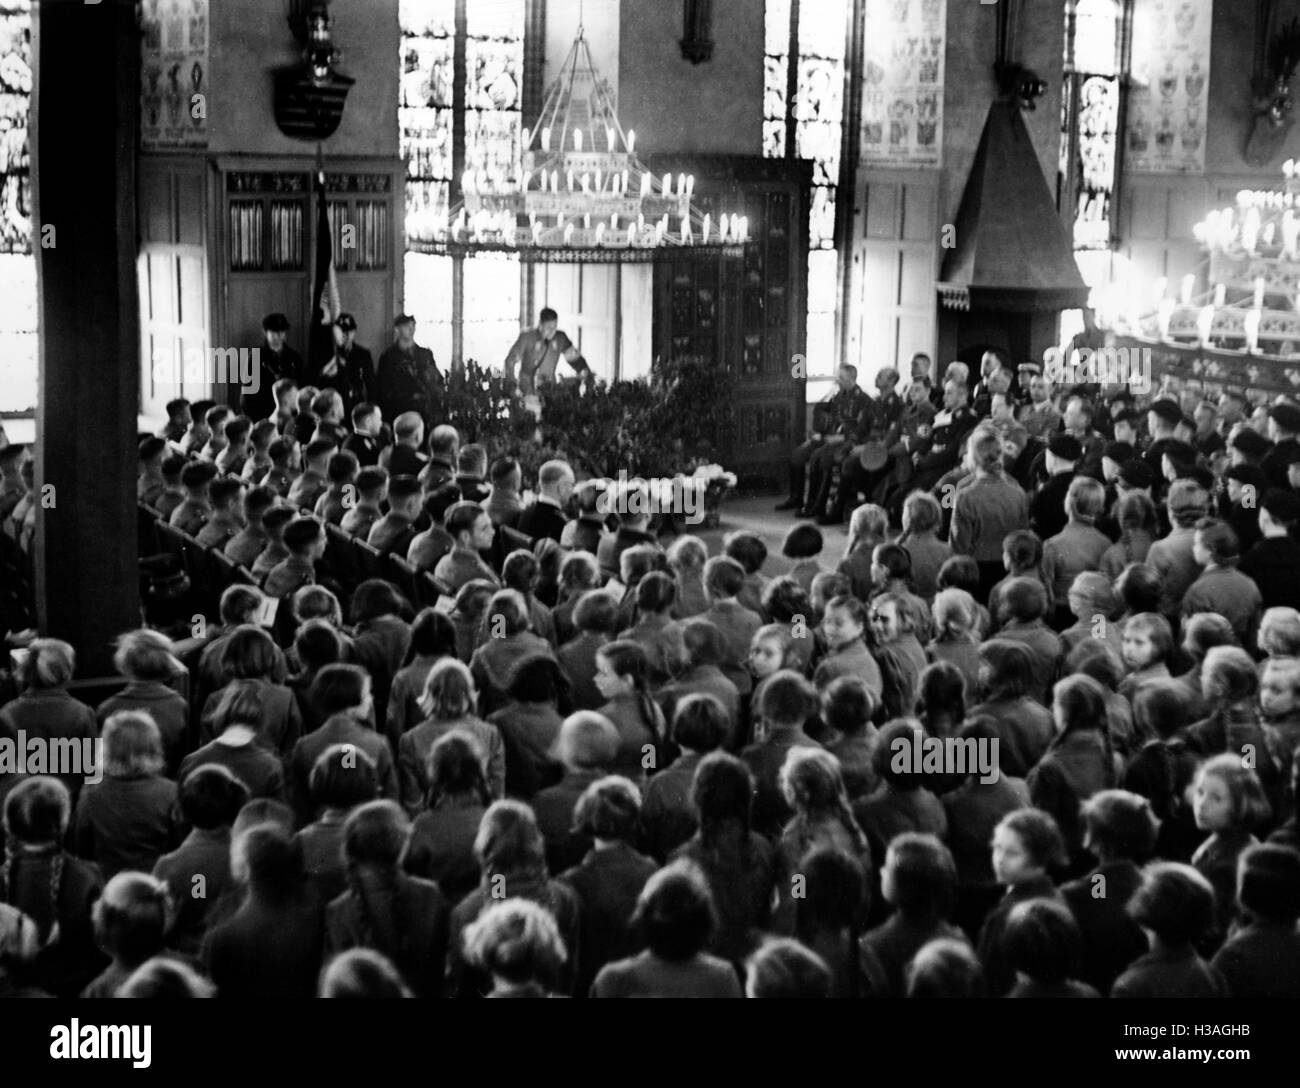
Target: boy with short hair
(199, 432)
(305, 539)
(231, 459)
(372, 490)
(192, 513)
(342, 492)
(259, 462)
(787, 702)
(150, 485)
(471, 468)
(365, 442)
(216, 418)
(327, 407)
(178, 420)
(444, 449)
(274, 523)
(172, 494)
(724, 578)
(503, 504)
(246, 545)
(227, 497)
(286, 404)
(313, 481)
(283, 453)
(393, 532)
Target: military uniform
(848, 415)
(407, 382)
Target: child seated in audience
(237, 718)
(697, 667)
(593, 616)
(173, 492)
(131, 923)
(803, 544)
(215, 417)
(305, 540)
(891, 572)
(1230, 685)
(1221, 587)
(444, 450)
(1139, 587)
(1230, 804)
(449, 702)
(316, 645)
(1174, 904)
(1120, 832)
(844, 627)
(788, 702)
(1091, 602)
(231, 459)
(285, 391)
(724, 579)
(442, 836)
(897, 652)
(258, 462)
(1279, 633)
(623, 677)
(1044, 947)
(1022, 556)
(686, 558)
(634, 564)
(1076, 548)
(579, 574)
(314, 480)
(1024, 725)
(226, 496)
(1026, 847)
(192, 514)
(1162, 770)
(788, 605)
(530, 724)
(342, 779)
(1279, 701)
(284, 453)
(749, 550)
(275, 522)
(948, 969)
(922, 518)
(405, 456)
(471, 473)
(129, 818)
(509, 636)
(341, 494)
(393, 533)
(785, 968)
(327, 407)
(868, 527)
(847, 709)
(471, 530)
(736, 860)
(147, 660)
(468, 617)
(954, 614)
(178, 420)
(199, 431)
(433, 637)
(655, 631)
(371, 491)
(1022, 608)
(919, 880)
(813, 788)
(1262, 958)
(149, 485)
(825, 588)
(521, 572)
(210, 799)
(770, 651)
(404, 918)
(303, 424)
(251, 539)
(367, 439)
(902, 801)
(700, 725)
(519, 945)
(1136, 515)
(504, 504)
(962, 572)
(676, 913)
(1147, 642)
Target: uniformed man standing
(277, 360)
(537, 354)
(350, 370)
(408, 379)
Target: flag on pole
(325, 291)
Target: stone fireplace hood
(1012, 252)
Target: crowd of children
(603, 768)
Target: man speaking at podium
(537, 354)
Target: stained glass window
(18, 342)
(818, 114)
(1090, 108)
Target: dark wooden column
(84, 139)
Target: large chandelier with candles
(582, 194)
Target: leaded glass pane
(15, 104)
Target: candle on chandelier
(546, 139)
(668, 185)
(704, 232)
(609, 136)
(577, 139)
(1288, 168)
(1162, 285)
(523, 136)
(681, 184)
(645, 186)
(1220, 294)
(1165, 315)
(631, 140)
(1259, 291)
(1252, 331)
(1205, 324)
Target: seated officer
(840, 422)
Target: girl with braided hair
(403, 917)
(50, 886)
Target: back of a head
(788, 699)
(509, 840)
(945, 968)
(272, 858)
(1268, 883)
(166, 978)
(722, 791)
(784, 968)
(211, 797)
(362, 972)
(37, 811)
(375, 835)
(587, 740)
(132, 917)
(675, 912)
(1174, 901)
(516, 940)
(1043, 941)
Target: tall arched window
(459, 109)
(18, 341)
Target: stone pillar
(85, 109)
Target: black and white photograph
(588, 499)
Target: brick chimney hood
(1012, 254)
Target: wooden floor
(758, 516)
